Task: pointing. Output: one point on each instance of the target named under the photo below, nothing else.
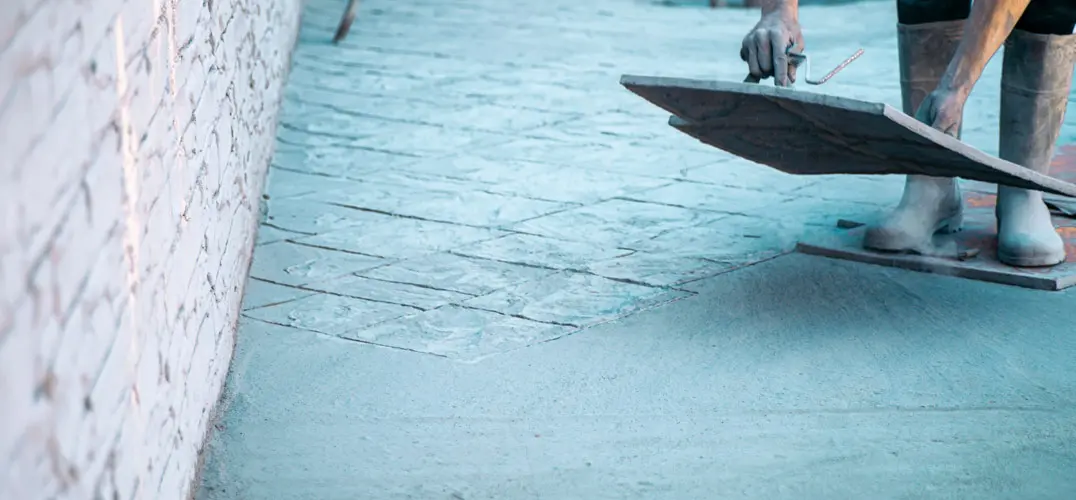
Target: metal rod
(346, 20)
(797, 60)
(836, 70)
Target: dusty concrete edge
(222, 400)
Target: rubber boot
(929, 204)
(1035, 79)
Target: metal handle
(795, 60)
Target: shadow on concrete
(816, 296)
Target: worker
(943, 47)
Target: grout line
(306, 288)
(587, 272)
(293, 299)
(348, 339)
(333, 249)
(278, 228)
(418, 285)
(518, 316)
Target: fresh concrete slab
(799, 378)
(580, 302)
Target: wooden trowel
(805, 133)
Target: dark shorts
(1048, 17)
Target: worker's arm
(987, 27)
(790, 6)
(765, 46)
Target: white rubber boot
(929, 204)
(1035, 81)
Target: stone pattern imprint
(135, 137)
(469, 177)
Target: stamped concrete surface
(489, 271)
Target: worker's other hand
(943, 109)
(766, 46)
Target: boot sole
(1033, 261)
(950, 225)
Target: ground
(489, 271)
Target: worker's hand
(766, 46)
(943, 110)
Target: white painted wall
(134, 140)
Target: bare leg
(1035, 83)
(928, 34)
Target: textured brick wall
(134, 140)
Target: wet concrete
(489, 271)
(798, 378)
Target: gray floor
(799, 378)
(487, 271)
